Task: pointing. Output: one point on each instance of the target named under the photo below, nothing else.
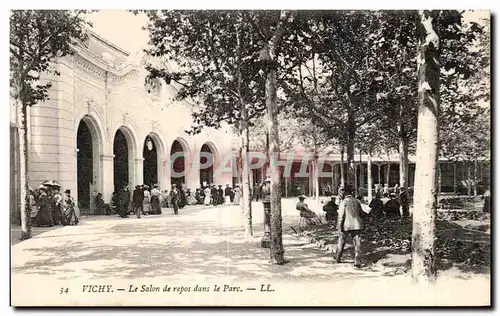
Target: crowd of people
(50, 207)
(146, 201)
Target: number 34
(64, 290)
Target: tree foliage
(37, 38)
(215, 56)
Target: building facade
(105, 126)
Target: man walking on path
(137, 198)
(175, 196)
(350, 224)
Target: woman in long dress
(207, 196)
(146, 203)
(155, 200)
(69, 216)
(237, 195)
(57, 201)
(44, 216)
(191, 200)
(33, 206)
(307, 217)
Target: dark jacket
(391, 208)
(175, 195)
(376, 206)
(138, 197)
(331, 209)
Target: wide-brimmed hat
(67, 191)
(302, 197)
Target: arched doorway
(206, 157)
(177, 156)
(88, 163)
(85, 165)
(121, 166)
(150, 164)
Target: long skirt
(306, 222)
(155, 205)
(44, 216)
(57, 214)
(146, 207)
(183, 200)
(227, 199)
(237, 197)
(69, 216)
(207, 199)
(191, 200)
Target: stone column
(74, 193)
(192, 175)
(167, 185)
(108, 185)
(138, 172)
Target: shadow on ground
(465, 246)
(166, 247)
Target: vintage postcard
(250, 158)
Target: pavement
(179, 260)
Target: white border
(187, 4)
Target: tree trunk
(439, 179)
(268, 55)
(351, 172)
(369, 175)
(403, 169)
(469, 179)
(22, 122)
(475, 178)
(361, 173)
(246, 198)
(25, 205)
(455, 178)
(316, 177)
(424, 266)
(342, 171)
(388, 175)
(286, 186)
(239, 165)
(245, 176)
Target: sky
(123, 28)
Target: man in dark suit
(350, 223)
(257, 191)
(137, 198)
(175, 198)
(213, 194)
